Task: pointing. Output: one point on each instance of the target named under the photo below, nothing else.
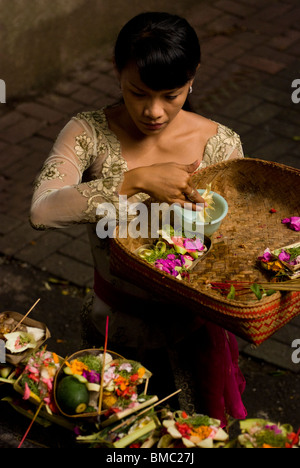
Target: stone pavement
(251, 56)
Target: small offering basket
(19, 357)
(88, 384)
(294, 270)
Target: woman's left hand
(165, 182)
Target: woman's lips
(153, 126)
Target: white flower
(126, 366)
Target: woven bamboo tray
(252, 188)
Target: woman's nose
(153, 109)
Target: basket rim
(244, 160)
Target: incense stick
(289, 285)
(30, 425)
(292, 285)
(26, 315)
(158, 402)
(103, 367)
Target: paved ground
(251, 56)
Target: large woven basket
(259, 194)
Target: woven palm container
(259, 195)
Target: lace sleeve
(61, 197)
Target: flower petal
(284, 256)
(26, 392)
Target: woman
(147, 145)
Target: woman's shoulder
(95, 118)
(228, 135)
(212, 128)
(199, 123)
(225, 144)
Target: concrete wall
(42, 39)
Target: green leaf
(231, 294)
(136, 434)
(256, 289)
(269, 292)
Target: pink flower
(293, 222)
(48, 383)
(170, 264)
(267, 256)
(26, 392)
(274, 427)
(177, 240)
(193, 245)
(109, 374)
(284, 256)
(126, 366)
(91, 376)
(32, 370)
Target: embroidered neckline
(220, 128)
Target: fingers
(190, 199)
(193, 195)
(188, 205)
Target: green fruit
(72, 395)
(5, 371)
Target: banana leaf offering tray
(233, 285)
(21, 335)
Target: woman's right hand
(165, 182)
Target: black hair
(164, 47)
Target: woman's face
(151, 111)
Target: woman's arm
(60, 197)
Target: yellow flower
(77, 367)
(201, 432)
(141, 372)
